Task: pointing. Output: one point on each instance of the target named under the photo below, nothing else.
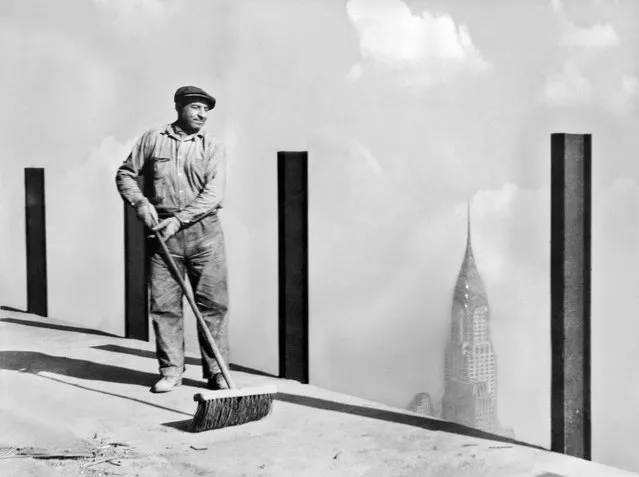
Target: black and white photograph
(319, 238)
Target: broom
(227, 407)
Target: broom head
(231, 407)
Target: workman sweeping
(184, 172)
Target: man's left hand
(167, 228)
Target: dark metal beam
(571, 195)
(36, 246)
(292, 168)
(136, 313)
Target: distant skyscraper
(422, 404)
(470, 391)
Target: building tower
(470, 396)
(422, 403)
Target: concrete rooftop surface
(84, 394)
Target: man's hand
(147, 214)
(167, 228)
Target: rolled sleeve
(126, 177)
(212, 195)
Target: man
(184, 171)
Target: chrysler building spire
(468, 226)
(470, 375)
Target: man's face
(193, 115)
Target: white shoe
(166, 384)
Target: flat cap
(186, 94)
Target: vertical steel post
(293, 264)
(36, 236)
(136, 312)
(571, 194)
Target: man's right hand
(147, 214)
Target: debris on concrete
(36, 453)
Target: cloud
(629, 85)
(426, 48)
(597, 36)
(569, 87)
(139, 16)
(366, 156)
(600, 35)
(624, 98)
(355, 73)
(56, 84)
(489, 202)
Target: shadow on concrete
(192, 361)
(33, 362)
(54, 326)
(183, 425)
(79, 386)
(398, 417)
(10, 308)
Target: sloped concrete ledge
(66, 388)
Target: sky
(409, 109)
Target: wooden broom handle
(202, 324)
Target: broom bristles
(231, 407)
